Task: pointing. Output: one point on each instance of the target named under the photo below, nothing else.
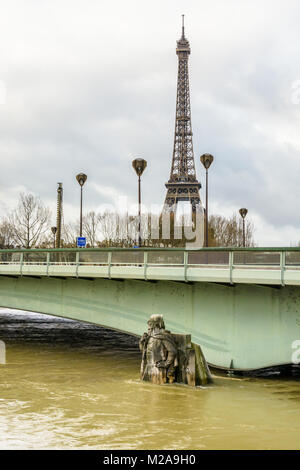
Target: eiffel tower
(183, 184)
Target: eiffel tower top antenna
(182, 26)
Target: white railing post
(77, 262)
(48, 262)
(145, 264)
(185, 262)
(109, 264)
(21, 263)
(230, 266)
(282, 267)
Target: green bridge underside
(241, 306)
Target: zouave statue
(159, 353)
(169, 358)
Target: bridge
(241, 305)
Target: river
(68, 385)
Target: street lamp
(139, 165)
(81, 178)
(243, 212)
(206, 160)
(54, 230)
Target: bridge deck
(269, 266)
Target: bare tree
(70, 232)
(6, 234)
(90, 225)
(29, 221)
(117, 230)
(229, 231)
(109, 228)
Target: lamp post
(54, 230)
(243, 212)
(139, 165)
(206, 160)
(81, 178)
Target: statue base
(192, 368)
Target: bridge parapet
(278, 266)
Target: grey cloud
(90, 94)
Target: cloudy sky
(89, 85)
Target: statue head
(156, 322)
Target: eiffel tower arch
(183, 184)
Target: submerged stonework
(168, 358)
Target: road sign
(81, 242)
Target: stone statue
(159, 353)
(168, 358)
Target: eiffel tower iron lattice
(183, 184)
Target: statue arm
(143, 341)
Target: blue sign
(81, 242)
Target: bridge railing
(273, 257)
(178, 263)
